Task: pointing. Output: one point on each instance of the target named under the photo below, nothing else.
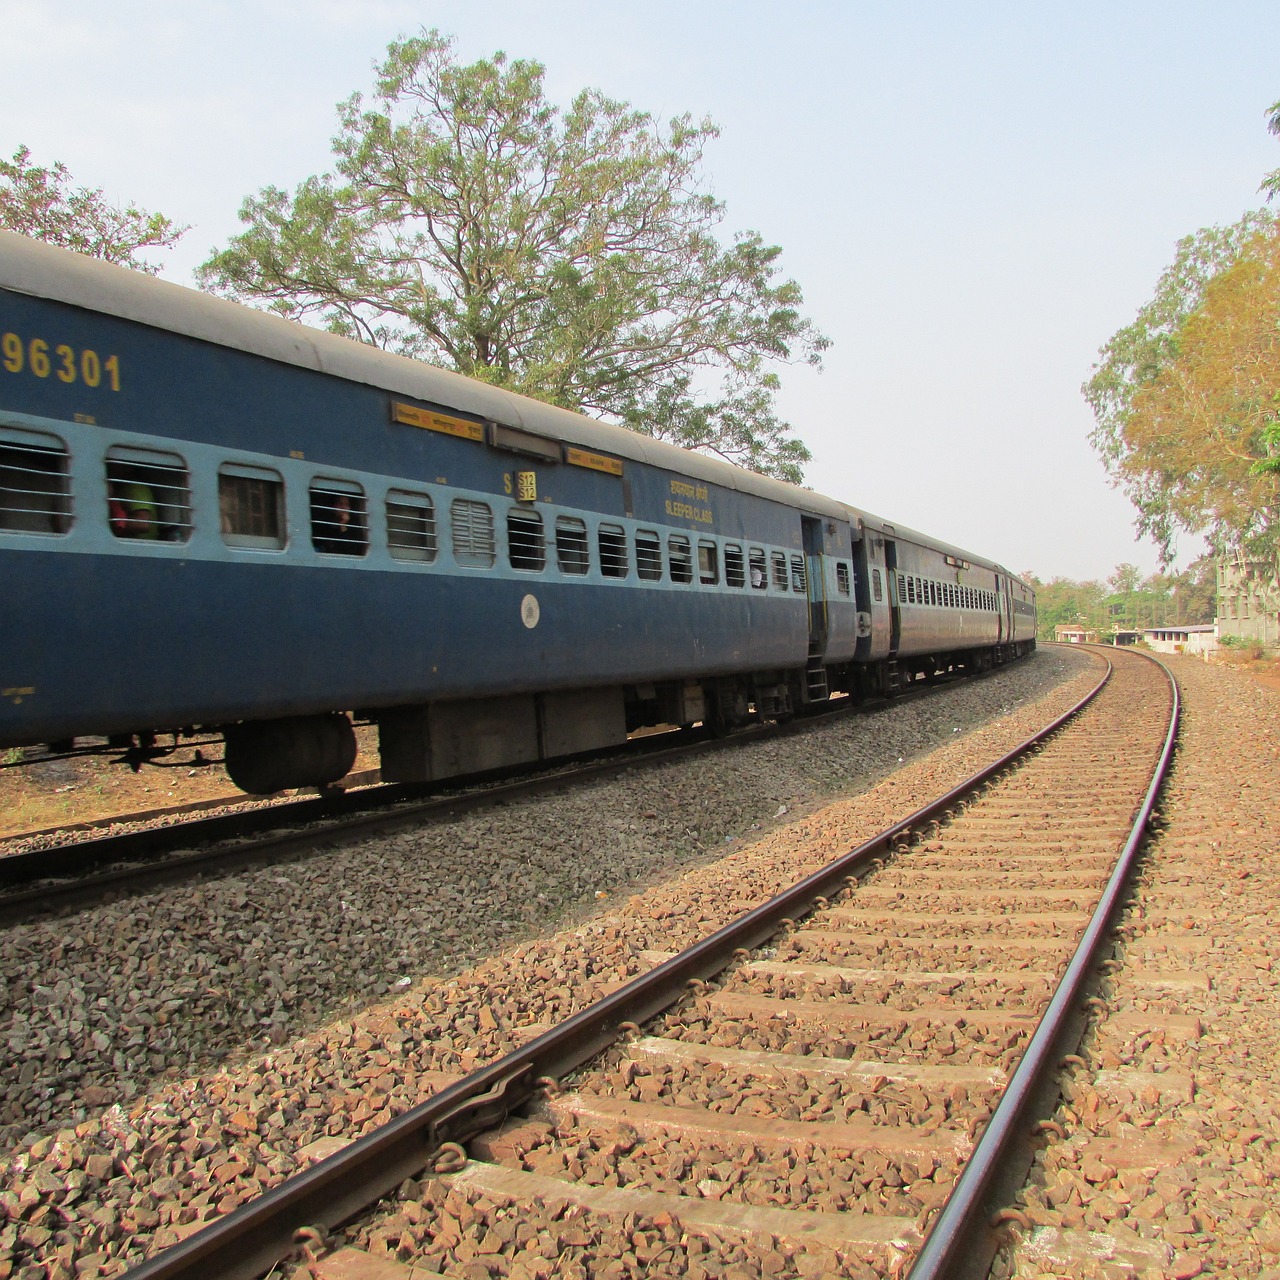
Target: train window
(613, 551)
(779, 562)
(573, 553)
(877, 591)
(797, 574)
(842, 578)
(648, 555)
(708, 564)
(251, 507)
(735, 572)
(472, 528)
(910, 597)
(411, 525)
(681, 558)
(526, 545)
(339, 518)
(759, 566)
(35, 487)
(148, 495)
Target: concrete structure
(1200, 639)
(1072, 633)
(1249, 600)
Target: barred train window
(681, 558)
(35, 487)
(471, 524)
(613, 551)
(779, 570)
(877, 591)
(339, 518)
(734, 568)
(251, 507)
(797, 574)
(573, 553)
(759, 567)
(648, 555)
(708, 564)
(842, 578)
(148, 495)
(411, 526)
(526, 546)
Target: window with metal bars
(148, 495)
(471, 526)
(708, 564)
(779, 562)
(648, 555)
(339, 518)
(797, 574)
(842, 578)
(680, 557)
(735, 569)
(759, 568)
(612, 540)
(411, 525)
(526, 546)
(877, 588)
(35, 484)
(251, 507)
(573, 551)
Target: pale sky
(973, 196)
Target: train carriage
(210, 516)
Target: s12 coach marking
(43, 359)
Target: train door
(858, 550)
(999, 610)
(816, 589)
(895, 614)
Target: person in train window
(132, 508)
(338, 529)
(757, 575)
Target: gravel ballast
(123, 1000)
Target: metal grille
(613, 551)
(842, 579)
(681, 558)
(526, 546)
(411, 526)
(148, 495)
(759, 569)
(708, 564)
(251, 510)
(648, 555)
(35, 488)
(735, 572)
(797, 574)
(473, 543)
(339, 520)
(573, 551)
(779, 570)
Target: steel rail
(255, 1237)
(963, 1242)
(155, 863)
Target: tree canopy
(568, 254)
(42, 203)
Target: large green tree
(42, 203)
(569, 254)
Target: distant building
(1249, 600)
(1071, 633)
(1199, 639)
(1126, 637)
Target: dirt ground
(59, 793)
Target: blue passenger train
(214, 518)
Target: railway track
(80, 873)
(843, 1082)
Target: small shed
(1200, 640)
(1072, 633)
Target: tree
(41, 203)
(566, 254)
